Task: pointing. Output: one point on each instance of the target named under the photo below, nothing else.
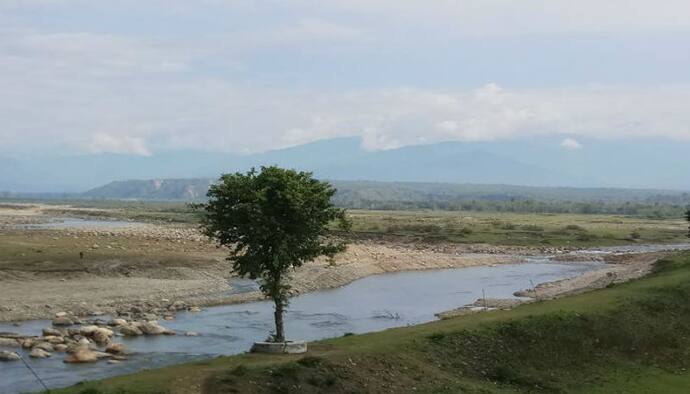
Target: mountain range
(649, 164)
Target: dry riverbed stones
(91, 340)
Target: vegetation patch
(565, 349)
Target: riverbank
(94, 267)
(577, 344)
(370, 304)
(620, 268)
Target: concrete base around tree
(288, 347)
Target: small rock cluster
(165, 309)
(86, 341)
(83, 344)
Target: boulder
(46, 346)
(73, 332)
(131, 330)
(101, 355)
(63, 321)
(28, 343)
(87, 330)
(39, 353)
(81, 355)
(99, 335)
(52, 332)
(9, 356)
(61, 347)
(152, 328)
(101, 338)
(53, 340)
(115, 348)
(61, 314)
(118, 322)
(8, 342)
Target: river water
(76, 223)
(370, 304)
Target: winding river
(370, 304)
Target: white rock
(46, 346)
(82, 355)
(9, 356)
(39, 353)
(8, 342)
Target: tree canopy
(272, 221)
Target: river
(370, 304)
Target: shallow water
(370, 304)
(75, 223)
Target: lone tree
(272, 221)
(687, 216)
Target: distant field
(519, 228)
(498, 228)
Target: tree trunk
(278, 316)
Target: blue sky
(243, 76)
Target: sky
(244, 76)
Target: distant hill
(154, 189)
(403, 195)
(530, 162)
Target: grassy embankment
(629, 338)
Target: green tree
(687, 216)
(272, 221)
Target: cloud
(218, 115)
(107, 143)
(571, 144)
(247, 76)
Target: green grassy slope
(630, 338)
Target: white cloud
(158, 85)
(571, 144)
(219, 115)
(107, 143)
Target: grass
(58, 251)
(629, 338)
(528, 229)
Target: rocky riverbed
(89, 340)
(97, 268)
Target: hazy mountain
(401, 195)
(153, 189)
(532, 162)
